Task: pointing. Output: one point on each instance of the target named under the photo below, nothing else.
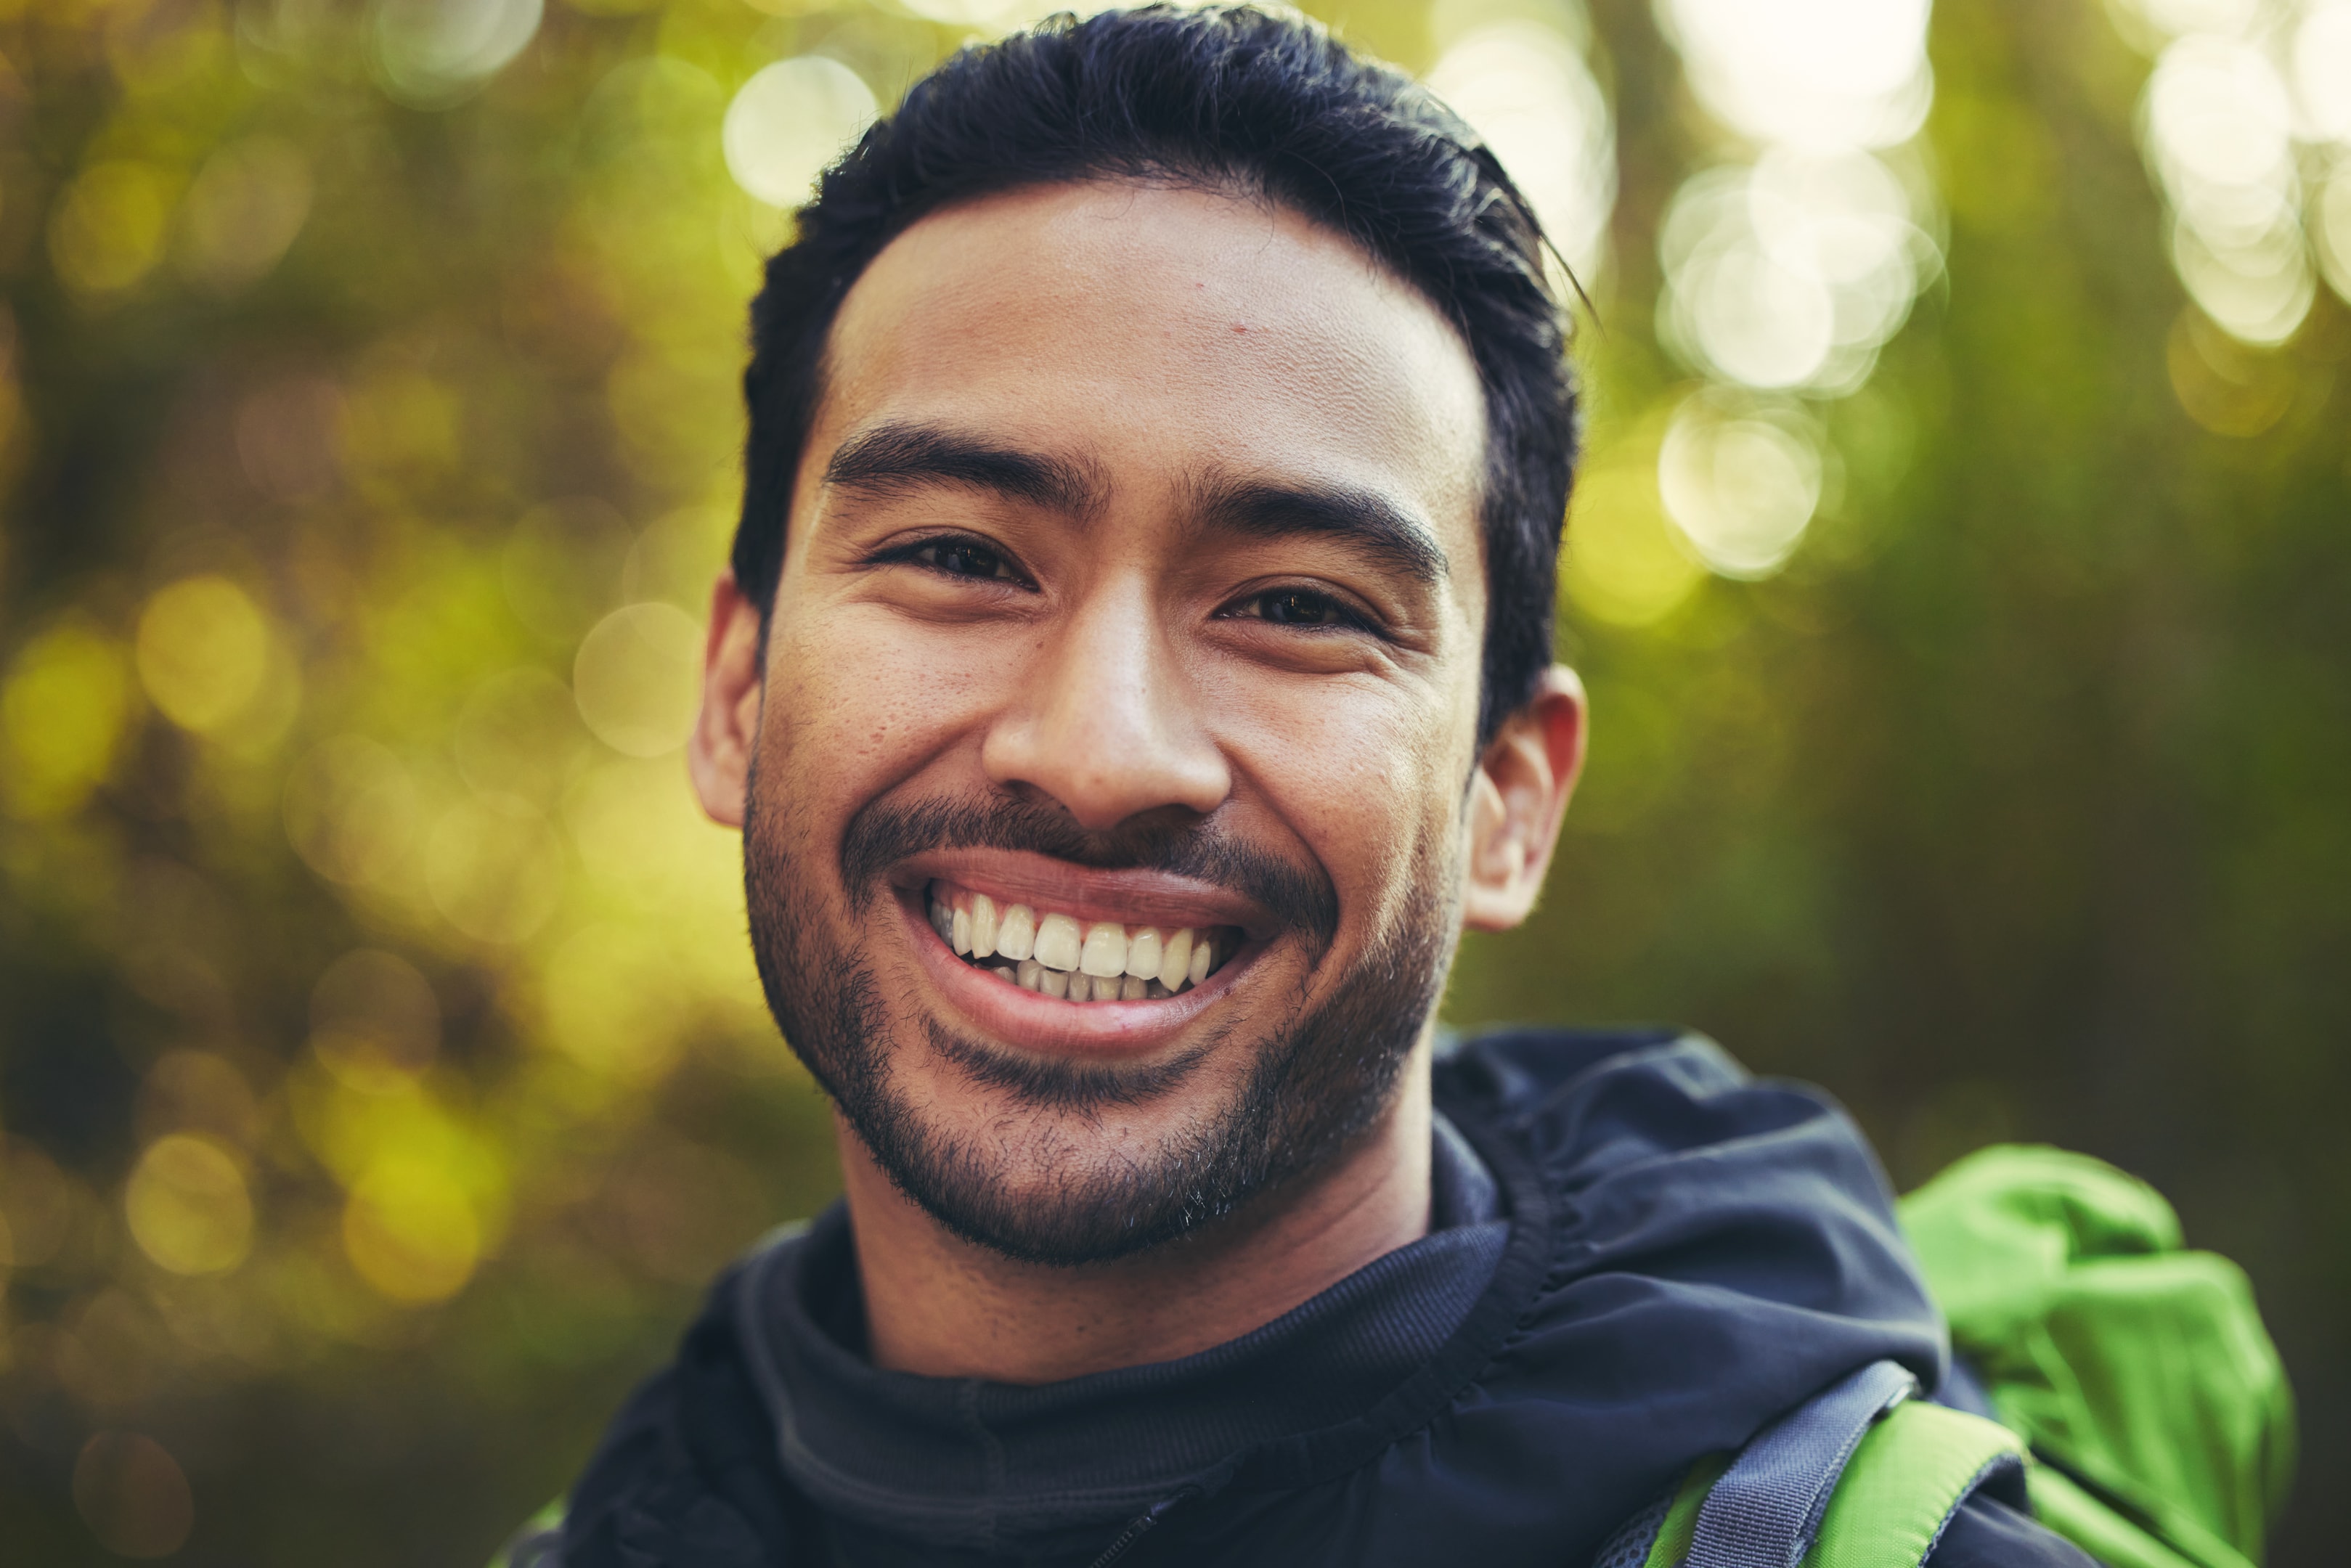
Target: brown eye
(963, 558)
(1301, 607)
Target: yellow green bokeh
(63, 705)
(204, 652)
(382, 1068)
(188, 1208)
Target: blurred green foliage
(381, 1069)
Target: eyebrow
(1382, 532)
(892, 459)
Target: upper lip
(1131, 896)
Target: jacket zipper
(1141, 1525)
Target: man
(1133, 675)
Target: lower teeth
(1030, 976)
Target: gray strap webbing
(1766, 1509)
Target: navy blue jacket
(1640, 1256)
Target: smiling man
(1132, 677)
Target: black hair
(1232, 97)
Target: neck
(940, 1306)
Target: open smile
(1056, 954)
(1071, 965)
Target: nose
(1109, 727)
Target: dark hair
(1230, 97)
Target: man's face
(1132, 603)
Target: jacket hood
(1670, 1253)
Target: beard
(1316, 1079)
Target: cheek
(1365, 780)
(857, 701)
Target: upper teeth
(1059, 954)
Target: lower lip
(1055, 1025)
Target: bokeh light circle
(2331, 228)
(1526, 90)
(2260, 292)
(1619, 562)
(2321, 72)
(411, 1231)
(244, 207)
(1827, 73)
(133, 1495)
(791, 120)
(430, 53)
(202, 651)
(2218, 124)
(350, 810)
(1741, 486)
(637, 678)
(62, 707)
(187, 1205)
(1790, 274)
(374, 1020)
(495, 868)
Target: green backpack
(2142, 1408)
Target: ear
(726, 732)
(1517, 798)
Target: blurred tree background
(1960, 572)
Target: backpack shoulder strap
(1906, 1480)
(1861, 1475)
(1659, 1535)
(1768, 1507)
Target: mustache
(885, 832)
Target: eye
(1299, 607)
(955, 556)
(962, 558)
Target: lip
(1131, 897)
(1051, 1025)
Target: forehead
(1157, 331)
